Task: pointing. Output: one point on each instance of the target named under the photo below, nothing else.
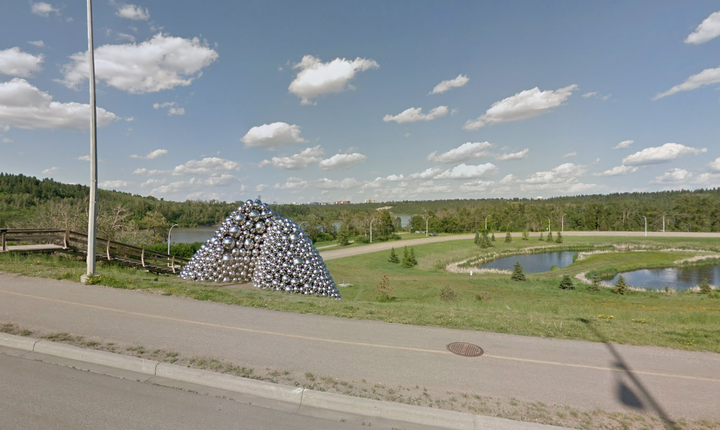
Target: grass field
(488, 302)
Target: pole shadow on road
(625, 393)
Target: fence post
(107, 250)
(142, 257)
(172, 263)
(3, 234)
(66, 239)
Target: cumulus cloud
(448, 85)
(14, 62)
(173, 109)
(152, 155)
(261, 187)
(342, 161)
(464, 171)
(329, 184)
(83, 158)
(109, 185)
(625, 144)
(149, 172)
(559, 174)
(660, 154)
(160, 63)
(706, 77)
(707, 30)
(618, 170)
(25, 106)
(570, 155)
(131, 11)
(37, 43)
(292, 183)
(43, 9)
(597, 95)
(316, 78)
(429, 187)
(465, 152)
(299, 161)
(715, 165)
(206, 166)
(194, 184)
(673, 176)
(416, 114)
(51, 171)
(270, 136)
(513, 155)
(428, 173)
(523, 105)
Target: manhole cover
(465, 349)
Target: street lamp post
(371, 221)
(663, 222)
(486, 222)
(427, 221)
(92, 210)
(170, 231)
(562, 223)
(645, 225)
(548, 224)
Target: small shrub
(485, 241)
(343, 237)
(554, 267)
(448, 294)
(541, 239)
(362, 239)
(482, 297)
(620, 286)
(595, 286)
(406, 261)
(525, 235)
(567, 283)
(518, 274)
(413, 260)
(477, 238)
(705, 287)
(384, 290)
(393, 256)
(559, 238)
(508, 237)
(549, 236)
(492, 237)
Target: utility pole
(371, 221)
(562, 223)
(548, 223)
(427, 221)
(663, 222)
(486, 222)
(645, 225)
(170, 231)
(92, 212)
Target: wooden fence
(51, 240)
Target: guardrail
(74, 242)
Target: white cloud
(597, 95)
(130, 119)
(591, 94)
(149, 172)
(316, 78)
(660, 154)
(427, 173)
(152, 155)
(570, 154)
(43, 9)
(25, 106)
(131, 11)
(715, 165)
(206, 166)
(428, 187)
(464, 171)
(619, 170)
(342, 161)
(513, 155)
(395, 178)
(14, 62)
(406, 135)
(269, 136)
(465, 152)
(415, 114)
(707, 30)
(172, 108)
(193, 184)
(329, 184)
(83, 158)
(51, 171)
(673, 176)
(109, 185)
(126, 37)
(37, 43)
(452, 83)
(7, 140)
(297, 161)
(560, 173)
(523, 105)
(625, 144)
(706, 77)
(478, 186)
(153, 183)
(292, 183)
(261, 187)
(160, 63)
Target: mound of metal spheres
(255, 244)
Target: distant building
(342, 202)
(370, 201)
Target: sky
(322, 101)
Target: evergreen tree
(343, 237)
(492, 237)
(393, 256)
(406, 262)
(620, 286)
(541, 237)
(485, 241)
(705, 287)
(549, 237)
(567, 283)
(559, 238)
(525, 235)
(412, 256)
(477, 238)
(595, 286)
(508, 237)
(518, 274)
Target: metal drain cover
(465, 349)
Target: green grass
(537, 307)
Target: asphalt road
(36, 395)
(584, 375)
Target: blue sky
(404, 100)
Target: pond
(532, 263)
(191, 235)
(679, 278)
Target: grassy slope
(484, 302)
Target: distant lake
(190, 235)
(679, 278)
(532, 263)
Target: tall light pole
(548, 223)
(645, 225)
(486, 222)
(663, 222)
(427, 221)
(170, 231)
(562, 223)
(92, 212)
(371, 221)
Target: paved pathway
(579, 374)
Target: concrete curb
(303, 399)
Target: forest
(30, 202)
